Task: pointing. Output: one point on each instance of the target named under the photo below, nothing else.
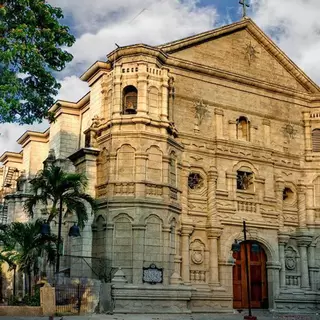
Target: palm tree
(22, 245)
(59, 189)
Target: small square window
(244, 180)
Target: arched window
(130, 100)
(316, 140)
(243, 129)
(245, 179)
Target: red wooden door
(257, 277)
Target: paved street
(261, 315)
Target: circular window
(195, 181)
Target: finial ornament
(244, 4)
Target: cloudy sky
(98, 24)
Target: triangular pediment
(243, 49)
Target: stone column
(213, 235)
(279, 198)
(309, 205)
(313, 269)
(303, 240)
(117, 95)
(283, 239)
(266, 132)
(138, 250)
(142, 89)
(219, 123)
(186, 231)
(302, 205)
(307, 135)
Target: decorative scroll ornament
(250, 53)
(289, 131)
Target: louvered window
(316, 140)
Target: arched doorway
(257, 277)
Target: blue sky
(98, 24)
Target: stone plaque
(152, 274)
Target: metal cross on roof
(244, 7)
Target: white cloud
(10, 133)
(295, 26)
(101, 24)
(72, 89)
(128, 22)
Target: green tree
(54, 189)
(22, 245)
(32, 43)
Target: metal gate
(69, 299)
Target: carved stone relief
(197, 251)
(201, 110)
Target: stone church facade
(181, 143)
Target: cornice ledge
(93, 69)
(83, 152)
(136, 50)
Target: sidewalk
(261, 315)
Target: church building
(181, 143)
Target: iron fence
(72, 299)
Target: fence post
(48, 300)
(79, 299)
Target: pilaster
(302, 205)
(165, 96)
(219, 122)
(283, 239)
(266, 132)
(307, 135)
(137, 251)
(213, 236)
(117, 99)
(279, 198)
(186, 231)
(304, 239)
(142, 89)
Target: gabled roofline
(269, 45)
